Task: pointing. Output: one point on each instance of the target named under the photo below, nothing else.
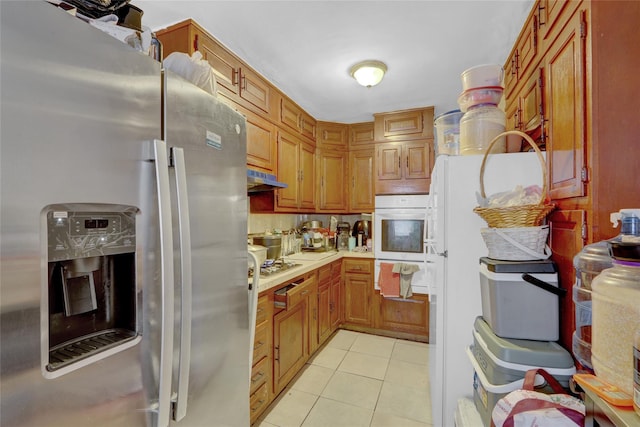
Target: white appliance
(400, 227)
(454, 245)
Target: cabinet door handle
(243, 80)
(540, 9)
(255, 408)
(257, 377)
(234, 77)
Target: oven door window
(402, 235)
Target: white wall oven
(400, 231)
(400, 227)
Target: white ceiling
(306, 48)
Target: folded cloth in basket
(406, 275)
(388, 281)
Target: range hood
(260, 181)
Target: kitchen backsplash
(259, 223)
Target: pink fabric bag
(529, 408)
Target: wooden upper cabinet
(334, 136)
(235, 78)
(362, 185)
(296, 118)
(261, 141)
(225, 65)
(332, 180)
(404, 125)
(255, 90)
(361, 134)
(523, 56)
(525, 112)
(531, 107)
(307, 177)
(288, 172)
(404, 167)
(564, 108)
(552, 16)
(296, 168)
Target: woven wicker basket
(515, 216)
(517, 244)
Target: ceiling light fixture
(368, 73)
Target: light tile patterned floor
(358, 380)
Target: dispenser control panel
(73, 234)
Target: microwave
(400, 227)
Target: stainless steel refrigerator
(123, 289)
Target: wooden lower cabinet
(339, 294)
(358, 287)
(324, 303)
(260, 394)
(329, 300)
(293, 325)
(290, 337)
(408, 316)
(566, 240)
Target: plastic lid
(545, 354)
(447, 113)
(497, 266)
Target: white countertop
(308, 261)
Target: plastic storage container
(616, 316)
(500, 365)
(515, 308)
(447, 128)
(479, 125)
(482, 76)
(481, 95)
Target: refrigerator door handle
(184, 231)
(166, 258)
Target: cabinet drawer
(259, 374)
(258, 401)
(292, 294)
(357, 266)
(324, 274)
(262, 310)
(261, 343)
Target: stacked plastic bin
(517, 331)
(483, 120)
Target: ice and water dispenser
(90, 302)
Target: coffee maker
(362, 231)
(342, 236)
